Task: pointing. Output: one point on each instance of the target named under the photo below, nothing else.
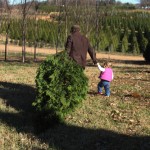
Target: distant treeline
(113, 31)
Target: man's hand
(95, 62)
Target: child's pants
(106, 85)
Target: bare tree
(65, 5)
(1, 13)
(5, 7)
(59, 25)
(36, 6)
(144, 3)
(9, 12)
(25, 4)
(97, 24)
(3, 3)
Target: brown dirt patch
(15, 49)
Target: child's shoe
(100, 93)
(106, 95)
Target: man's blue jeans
(106, 85)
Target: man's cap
(75, 28)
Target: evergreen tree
(61, 87)
(104, 42)
(132, 35)
(147, 33)
(146, 53)
(17, 35)
(124, 46)
(115, 42)
(139, 35)
(143, 44)
(134, 48)
(141, 40)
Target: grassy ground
(120, 122)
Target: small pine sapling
(61, 85)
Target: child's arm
(100, 68)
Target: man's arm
(92, 53)
(68, 44)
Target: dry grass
(121, 121)
(15, 52)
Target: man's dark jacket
(77, 47)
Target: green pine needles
(146, 53)
(61, 85)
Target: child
(106, 77)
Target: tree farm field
(120, 122)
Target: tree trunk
(35, 35)
(6, 42)
(23, 37)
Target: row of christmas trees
(119, 33)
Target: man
(77, 46)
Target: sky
(123, 1)
(129, 1)
(19, 1)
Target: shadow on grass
(93, 93)
(18, 96)
(75, 137)
(27, 63)
(62, 136)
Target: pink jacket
(107, 75)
